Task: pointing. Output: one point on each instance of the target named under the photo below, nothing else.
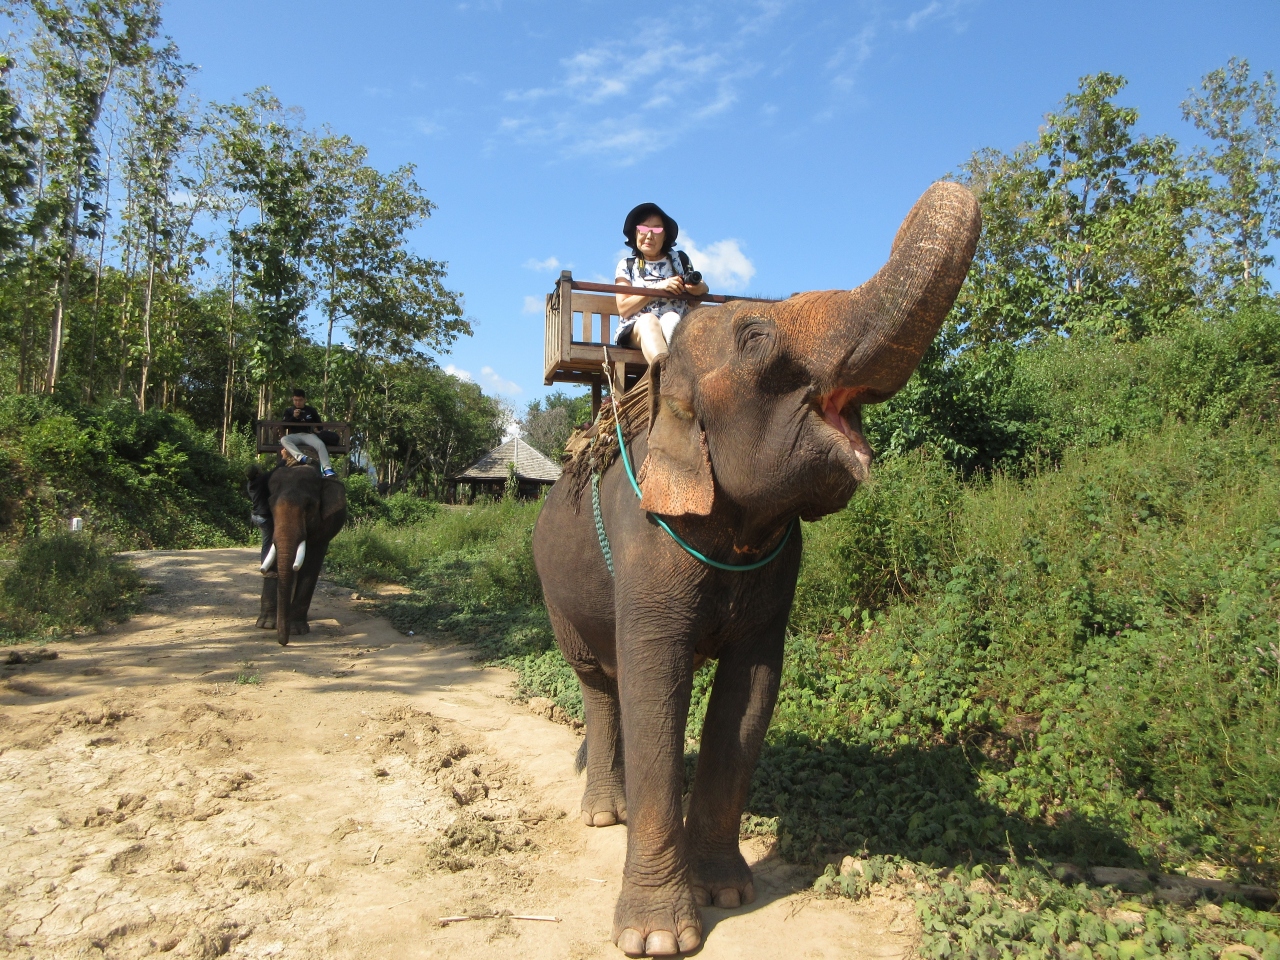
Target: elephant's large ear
(676, 477)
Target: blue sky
(787, 137)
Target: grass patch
(65, 584)
(247, 675)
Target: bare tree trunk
(146, 335)
(228, 390)
(58, 334)
(97, 274)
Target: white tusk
(302, 555)
(268, 563)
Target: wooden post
(620, 377)
(596, 397)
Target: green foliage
(139, 479)
(1036, 911)
(1020, 410)
(365, 504)
(548, 423)
(1086, 229)
(1102, 633)
(64, 583)
(1241, 212)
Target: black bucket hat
(670, 229)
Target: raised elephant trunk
(872, 338)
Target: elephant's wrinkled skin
(755, 420)
(305, 507)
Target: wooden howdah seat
(269, 433)
(582, 318)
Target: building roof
(529, 463)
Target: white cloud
(934, 10)
(535, 305)
(722, 263)
(488, 378)
(628, 98)
(496, 382)
(551, 263)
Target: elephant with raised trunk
(754, 422)
(307, 511)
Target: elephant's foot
(656, 921)
(267, 623)
(298, 627)
(722, 880)
(605, 803)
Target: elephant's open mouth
(841, 411)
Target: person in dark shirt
(301, 411)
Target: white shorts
(667, 322)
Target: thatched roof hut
(488, 475)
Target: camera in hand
(692, 278)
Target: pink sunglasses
(641, 228)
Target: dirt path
(183, 785)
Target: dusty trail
(182, 785)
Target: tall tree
(268, 161)
(80, 46)
(16, 164)
(1242, 211)
(1085, 229)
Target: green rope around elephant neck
(600, 534)
(604, 539)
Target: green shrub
(142, 480)
(64, 583)
(405, 508)
(364, 504)
(999, 406)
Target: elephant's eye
(755, 337)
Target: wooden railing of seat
(581, 321)
(269, 433)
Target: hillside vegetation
(140, 480)
(1068, 655)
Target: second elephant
(307, 511)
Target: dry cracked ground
(181, 785)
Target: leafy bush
(64, 583)
(998, 406)
(142, 480)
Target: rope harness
(626, 463)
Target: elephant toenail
(749, 893)
(631, 943)
(661, 943)
(728, 898)
(702, 896)
(690, 937)
(604, 819)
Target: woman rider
(649, 318)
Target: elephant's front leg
(305, 586)
(269, 601)
(742, 701)
(656, 913)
